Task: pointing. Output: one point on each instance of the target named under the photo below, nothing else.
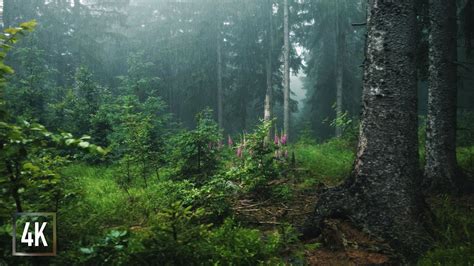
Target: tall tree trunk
(286, 78)
(269, 93)
(441, 165)
(268, 109)
(339, 46)
(8, 13)
(339, 56)
(382, 194)
(219, 82)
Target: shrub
(195, 153)
(259, 160)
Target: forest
(238, 132)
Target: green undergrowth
(101, 223)
(174, 221)
(454, 222)
(466, 159)
(329, 162)
(454, 232)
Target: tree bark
(8, 13)
(339, 56)
(268, 109)
(382, 194)
(441, 164)
(219, 82)
(286, 77)
(269, 93)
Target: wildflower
(239, 151)
(230, 142)
(276, 140)
(286, 153)
(284, 139)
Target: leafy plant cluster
(29, 160)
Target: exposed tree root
(375, 214)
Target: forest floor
(339, 244)
(96, 203)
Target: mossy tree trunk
(382, 195)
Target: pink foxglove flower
(276, 140)
(230, 142)
(284, 139)
(239, 151)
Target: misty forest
(240, 132)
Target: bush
(180, 239)
(108, 251)
(259, 160)
(233, 245)
(195, 153)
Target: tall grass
(329, 162)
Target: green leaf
(84, 144)
(6, 69)
(29, 25)
(87, 250)
(70, 141)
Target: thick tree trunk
(286, 75)
(382, 195)
(441, 165)
(219, 83)
(339, 56)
